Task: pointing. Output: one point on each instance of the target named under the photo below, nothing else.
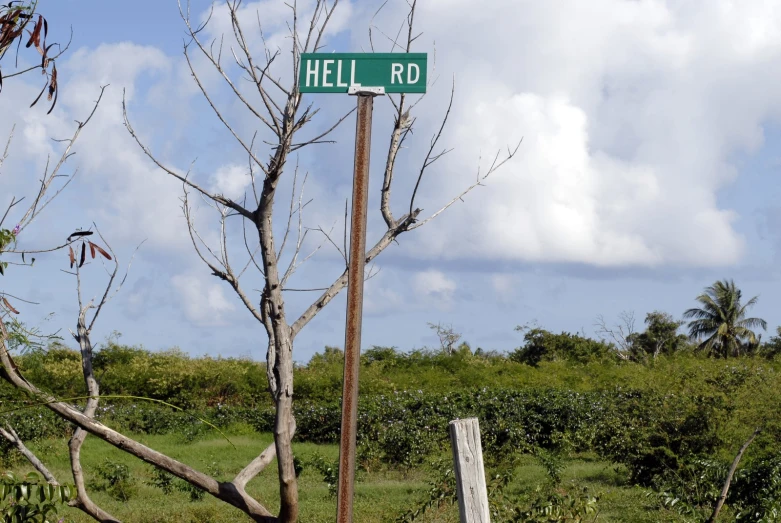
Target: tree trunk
(728, 481)
(281, 361)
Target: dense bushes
(572, 362)
(682, 428)
(403, 429)
(675, 416)
(169, 375)
(541, 345)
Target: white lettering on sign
(396, 71)
(326, 72)
(312, 72)
(332, 73)
(339, 82)
(352, 75)
(410, 80)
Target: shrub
(329, 469)
(655, 434)
(115, 480)
(541, 345)
(167, 482)
(756, 491)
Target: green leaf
(32, 477)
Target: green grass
(380, 495)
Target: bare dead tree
(278, 110)
(84, 325)
(14, 19)
(84, 328)
(47, 191)
(448, 337)
(620, 334)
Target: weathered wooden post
(470, 475)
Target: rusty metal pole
(352, 342)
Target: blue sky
(649, 169)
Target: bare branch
(328, 14)
(216, 63)
(83, 501)
(257, 465)
(106, 298)
(332, 242)
(194, 234)
(292, 212)
(219, 113)
(7, 145)
(251, 69)
(10, 434)
(226, 273)
(319, 137)
(730, 473)
(429, 159)
(250, 252)
(227, 492)
(402, 127)
(494, 167)
(214, 197)
(340, 283)
(371, 23)
(49, 177)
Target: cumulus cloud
(116, 185)
(631, 114)
(383, 294)
(203, 301)
(503, 287)
(230, 180)
(434, 287)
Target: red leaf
(8, 305)
(92, 249)
(72, 255)
(101, 251)
(35, 35)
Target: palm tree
(721, 322)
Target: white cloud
(630, 111)
(383, 294)
(116, 185)
(503, 287)
(434, 287)
(203, 301)
(230, 180)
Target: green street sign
(338, 72)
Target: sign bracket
(354, 90)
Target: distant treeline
(561, 361)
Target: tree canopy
(721, 322)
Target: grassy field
(380, 496)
